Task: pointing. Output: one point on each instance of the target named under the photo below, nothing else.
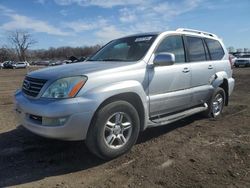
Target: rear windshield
(125, 49)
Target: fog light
(54, 121)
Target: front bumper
(78, 111)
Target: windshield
(125, 49)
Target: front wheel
(114, 130)
(216, 104)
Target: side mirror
(164, 59)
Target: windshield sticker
(142, 39)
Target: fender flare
(219, 79)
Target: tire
(215, 104)
(114, 130)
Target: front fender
(99, 94)
(109, 90)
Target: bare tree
(22, 41)
(7, 54)
(62, 53)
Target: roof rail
(197, 32)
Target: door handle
(210, 67)
(185, 70)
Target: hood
(82, 68)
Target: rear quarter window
(215, 49)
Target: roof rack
(197, 32)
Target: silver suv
(131, 84)
(242, 61)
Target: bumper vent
(32, 86)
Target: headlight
(65, 87)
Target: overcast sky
(56, 23)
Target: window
(173, 44)
(215, 49)
(119, 51)
(125, 49)
(196, 49)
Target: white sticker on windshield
(142, 39)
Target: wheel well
(224, 86)
(130, 97)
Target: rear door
(217, 55)
(202, 69)
(169, 86)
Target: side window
(196, 49)
(173, 44)
(215, 49)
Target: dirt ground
(194, 152)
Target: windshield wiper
(107, 59)
(111, 59)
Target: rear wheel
(114, 130)
(216, 104)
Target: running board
(178, 116)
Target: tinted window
(215, 49)
(125, 49)
(196, 49)
(173, 44)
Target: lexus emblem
(27, 85)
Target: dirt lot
(193, 152)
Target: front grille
(32, 86)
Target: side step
(178, 116)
